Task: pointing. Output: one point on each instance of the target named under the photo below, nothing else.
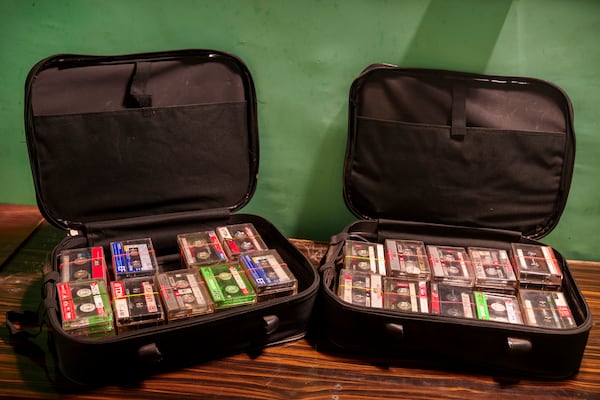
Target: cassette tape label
(228, 285)
(537, 266)
(239, 239)
(85, 308)
(403, 295)
(452, 301)
(545, 308)
(82, 264)
(361, 288)
(364, 257)
(133, 258)
(450, 264)
(268, 272)
(406, 258)
(498, 307)
(183, 294)
(201, 248)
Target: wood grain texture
(291, 371)
(17, 222)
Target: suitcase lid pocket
(459, 149)
(112, 137)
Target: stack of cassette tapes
(200, 248)
(361, 279)
(498, 307)
(184, 294)
(269, 274)
(237, 266)
(493, 270)
(230, 266)
(546, 308)
(360, 288)
(133, 258)
(364, 257)
(82, 264)
(407, 259)
(450, 265)
(536, 266)
(85, 308)
(408, 272)
(405, 295)
(452, 300)
(228, 285)
(240, 238)
(136, 303)
(516, 285)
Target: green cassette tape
(228, 285)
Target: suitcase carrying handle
(334, 252)
(137, 90)
(18, 321)
(396, 330)
(271, 323)
(150, 353)
(518, 345)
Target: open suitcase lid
(145, 134)
(459, 149)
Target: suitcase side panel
(438, 343)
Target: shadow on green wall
(459, 35)
(318, 220)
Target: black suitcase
(149, 146)
(453, 159)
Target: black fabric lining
(430, 98)
(145, 111)
(102, 166)
(469, 128)
(417, 172)
(108, 88)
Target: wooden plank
(17, 222)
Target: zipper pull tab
(73, 232)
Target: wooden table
(291, 371)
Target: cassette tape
(136, 303)
(450, 264)
(228, 285)
(85, 308)
(493, 269)
(536, 266)
(240, 238)
(200, 248)
(452, 300)
(546, 309)
(269, 274)
(133, 258)
(82, 264)
(498, 307)
(405, 295)
(364, 257)
(183, 294)
(360, 288)
(407, 258)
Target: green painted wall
(303, 56)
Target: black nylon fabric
(98, 155)
(407, 158)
